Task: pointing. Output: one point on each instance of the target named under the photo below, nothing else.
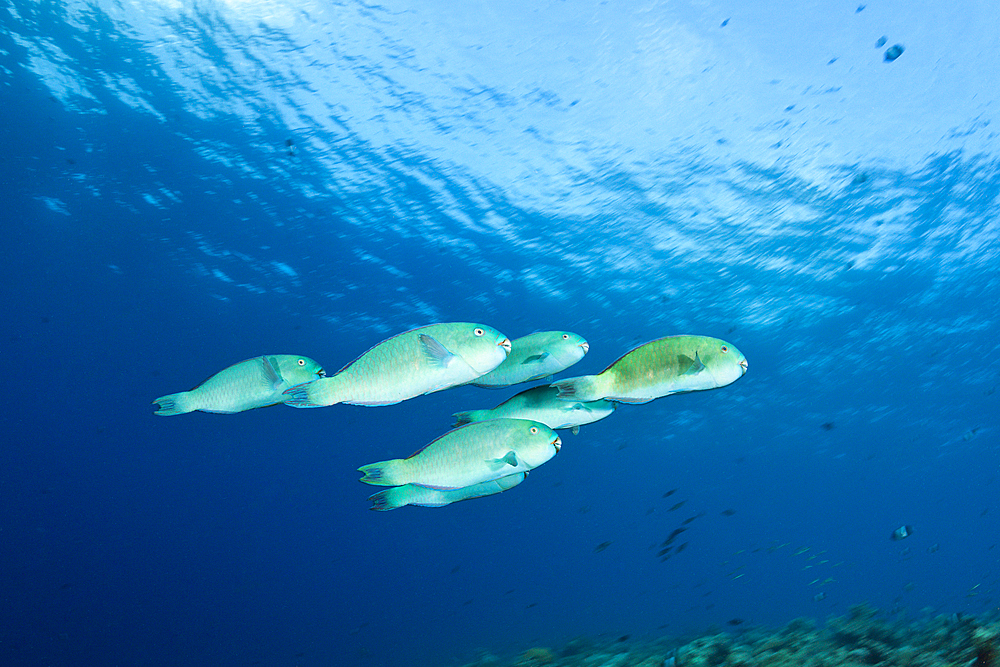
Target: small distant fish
(673, 535)
(819, 597)
(254, 383)
(728, 512)
(800, 551)
(669, 493)
(901, 533)
(735, 621)
(536, 356)
(601, 547)
(688, 520)
(663, 552)
(681, 548)
(827, 426)
(670, 365)
(290, 146)
(724, 23)
(933, 548)
(893, 52)
(677, 506)
(881, 42)
(624, 638)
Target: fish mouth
(586, 347)
(743, 366)
(557, 443)
(321, 373)
(505, 344)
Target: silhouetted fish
(677, 506)
(669, 493)
(601, 547)
(728, 512)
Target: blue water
(623, 170)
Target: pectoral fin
(575, 430)
(509, 459)
(691, 366)
(436, 353)
(272, 376)
(535, 358)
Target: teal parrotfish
(411, 494)
(542, 404)
(536, 356)
(470, 454)
(254, 383)
(416, 362)
(670, 365)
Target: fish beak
(505, 344)
(586, 347)
(321, 373)
(743, 365)
(557, 443)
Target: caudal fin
(382, 473)
(462, 418)
(581, 388)
(315, 394)
(173, 404)
(390, 499)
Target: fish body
(670, 365)
(541, 404)
(536, 356)
(471, 454)
(416, 362)
(253, 383)
(411, 494)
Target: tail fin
(462, 418)
(313, 394)
(578, 389)
(173, 404)
(382, 473)
(390, 499)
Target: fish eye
(725, 348)
(302, 362)
(565, 336)
(534, 429)
(478, 331)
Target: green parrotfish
(411, 494)
(254, 383)
(536, 356)
(542, 404)
(416, 362)
(670, 365)
(470, 454)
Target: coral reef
(859, 639)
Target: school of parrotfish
(488, 451)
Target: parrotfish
(471, 454)
(541, 405)
(253, 383)
(536, 356)
(662, 367)
(411, 494)
(416, 362)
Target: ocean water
(190, 184)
